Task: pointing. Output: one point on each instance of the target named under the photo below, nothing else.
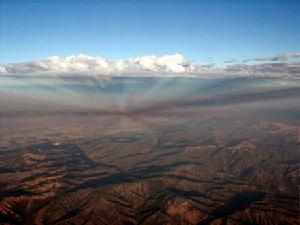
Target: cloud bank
(157, 66)
(278, 58)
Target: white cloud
(2, 70)
(83, 64)
(167, 65)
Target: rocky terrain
(231, 163)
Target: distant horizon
(170, 65)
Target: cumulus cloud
(83, 64)
(2, 70)
(167, 65)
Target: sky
(203, 31)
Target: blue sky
(32, 30)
